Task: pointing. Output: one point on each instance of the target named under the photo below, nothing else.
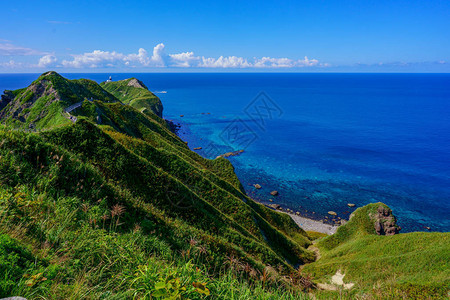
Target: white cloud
(11, 64)
(95, 59)
(8, 49)
(185, 59)
(225, 62)
(141, 58)
(107, 59)
(47, 61)
(158, 53)
(269, 62)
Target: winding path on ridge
(71, 108)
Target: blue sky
(183, 36)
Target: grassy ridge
(403, 266)
(134, 93)
(102, 202)
(117, 206)
(41, 105)
(56, 202)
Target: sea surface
(321, 140)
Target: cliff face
(5, 99)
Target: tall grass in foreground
(49, 249)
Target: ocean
(321, 140)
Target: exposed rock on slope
(137, 83)
(413, 265)
(386, 223)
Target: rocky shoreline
(312, 225)
(305, 223)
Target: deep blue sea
(320, 140)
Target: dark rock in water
(233, 153)
(173, 126)
(274, 193)
(386, 223)
(274, 206)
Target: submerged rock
(257, 186)
(274, 193)
(233, 153)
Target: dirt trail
(337, 281)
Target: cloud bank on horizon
(99, 59)
(18, 59)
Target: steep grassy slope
(404, 266)
(116, 204)
(42, 104)
(134, 93)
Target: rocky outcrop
(385, 222)
(24, 101)
(7, 97)
(275, 206)
(233, 153)
(137, 83)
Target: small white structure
(109, 80)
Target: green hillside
(414, 265)
(134, 93)
(41, 105)
(104, 201)
(116, 202)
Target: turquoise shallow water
(321, 140)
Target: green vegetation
(403, 266)
(134, 93)
(116, 206)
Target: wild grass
(71, 196)
(139, 98)
(404, 266)
(116, 206)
